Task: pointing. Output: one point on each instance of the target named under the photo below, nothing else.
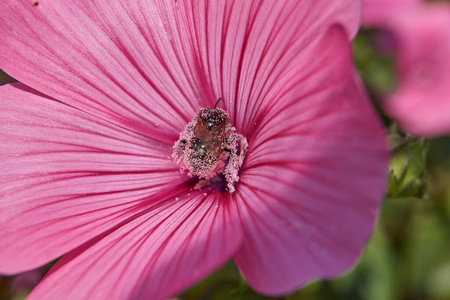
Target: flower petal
(421, 111)
(153, 256)
(314, 175)
(120, 61)
(383, 12)
(245, 46)
(421, 104)
(138, 63)
(66, 177)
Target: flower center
(210, 148)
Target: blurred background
(408, 256)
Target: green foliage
(376, 68)
(407, 175)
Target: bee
(209, 146)
(209, 133)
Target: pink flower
(107, 87)
(421, 104)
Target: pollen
(210, 148)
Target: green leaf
(407, 174)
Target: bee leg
(236, 146)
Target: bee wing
(201, 130)
(218, 138)
(219, 130)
